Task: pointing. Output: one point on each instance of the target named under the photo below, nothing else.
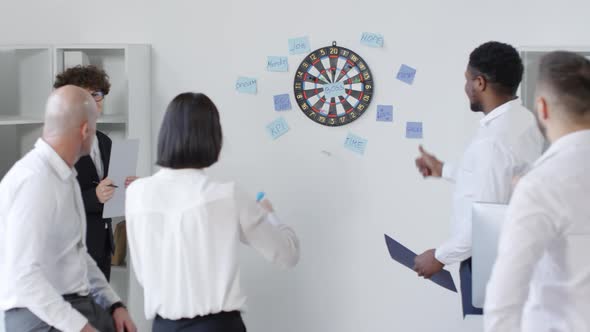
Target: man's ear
(481, 84)
(85, 131)
(541, 108)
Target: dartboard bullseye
(333, 86)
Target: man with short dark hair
(541, 278)
(506, 144)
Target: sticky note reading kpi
(355, 143)
(372, 39)
(406, 74)
(385, 113)
(414, 130)
(246, 85)
(282, 102)
(299, 45)
(277, 128)
(277, 63)
(334, 90)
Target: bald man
(48, 281)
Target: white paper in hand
(123, 164)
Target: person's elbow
(289, 256)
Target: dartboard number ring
(333, 86)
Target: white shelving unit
(26, 79)
(531, 57)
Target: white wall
(340, 205)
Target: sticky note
(414, 130)
(246, 85)
(282, 102)
(385, 113)
(355, 143)
(299, 45)
(260, 196)
(372, 39)
(277, 128)
(332, 90)
(277, 63)
(406, 74)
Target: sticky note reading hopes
(372, 39)
(414, 130)
(282, 102)
(277, 63)
(299, 45)
(406, 74)
(334, 90)
(385, 113)
(355, 143)
(246, 85)
(277, 128)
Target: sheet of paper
(355, 144)
(406, 257)
(299, 45)
(414, 130)
(277, 63)
(372, 39)
(406, 74)
(247, 85)
(385, 113)
(277, 128)
(282, 102)
(123, 164)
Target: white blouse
(184, 233)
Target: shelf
(6, 120)
(119, 268)
(115, 118)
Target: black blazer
(99, 239)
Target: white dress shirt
(184, 234)
(43, 252)
(507, 143)
(97, 159)
(541, 279)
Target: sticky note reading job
(246, 85)
(282, 102)
(277, 128)
(414, 130)
(372, 39)
(277, 63)
(406, 74)
(355, 144)
(385, 113)
(299, 45)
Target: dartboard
(333, 86)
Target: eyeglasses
(97, 95)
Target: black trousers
(466, 289)
(221, 322)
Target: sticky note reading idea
(277, 63)
(372, 39)
(246, 85)
(282, 102)
(277, 128)
(299, 45)
(385, 113)
(414, 130)
(406, 74)
(332, 90)
(355, 144)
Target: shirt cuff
(75, 322)
(448, 172)
(273, 219)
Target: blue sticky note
(277, 63)
(299, 45)
(405, 256)
(247, 85)
(282, 102)
(277, 128)
(372, 39)
(414, 130)
(355, 143)
(406, 74)
(385, 113)
(332, 90)
(260, 196)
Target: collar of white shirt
(498, 112)
(564, 142)
(55, 161)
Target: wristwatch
(116, 306)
